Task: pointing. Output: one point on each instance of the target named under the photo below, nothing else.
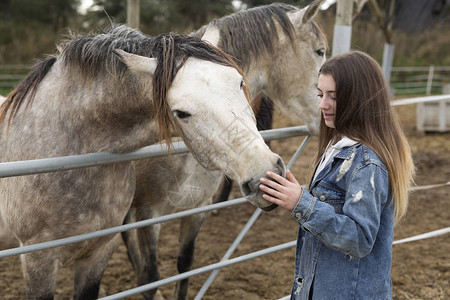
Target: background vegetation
(29, 29)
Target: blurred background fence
(10, 75)
(427, 80)
(420, 80)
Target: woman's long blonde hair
(364, 114)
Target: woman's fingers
(273, 184)
(271, 191)
(281, 180)
(290, 177)
(282, 191)
(272, 199)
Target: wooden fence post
(342, 34)
(133, 13)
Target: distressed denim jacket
(344, 245)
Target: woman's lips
(328, 116)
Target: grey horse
(115, 91)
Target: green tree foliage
(193, 14)
(103, 10)
(159, 16)
(28, 27)
(50, 12)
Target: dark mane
(256, 26)
(10, 107)
(92, 55)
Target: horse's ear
(137, 63)
(305, 14)
(311, 11)
(212, 34)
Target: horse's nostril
(246, 188)
(270, 208)
(281, 167)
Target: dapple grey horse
(116, 91)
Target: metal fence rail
(9, 169)
(45, 165)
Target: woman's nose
(322, 103)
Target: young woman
(358, 190)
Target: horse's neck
(257, 72)
(257, 78)
(69, 116)
(123, 119)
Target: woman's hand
(282, 191)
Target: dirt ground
(420, 269)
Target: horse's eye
(181, 114)
(242, 83)
(320, 52)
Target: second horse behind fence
(280, 49)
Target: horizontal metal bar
(11, 77)
(424, 236)
(117, 229)
(408, 84)
(410, 91)
(191, 273)
(45, 165)
(413, 69)
(8, 84)
(37, 166)
(15, 67)
(420, 100)
(428, 187)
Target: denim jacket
(344, 245)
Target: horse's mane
(28, 85)
(247, 33)
(92, 56)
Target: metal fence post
(246, 228)
(430, 79)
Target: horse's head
(296, 79)
(207, 103)
(281, 48)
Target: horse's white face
(217, 124)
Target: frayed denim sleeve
(354, 230)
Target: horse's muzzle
(269, 208)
